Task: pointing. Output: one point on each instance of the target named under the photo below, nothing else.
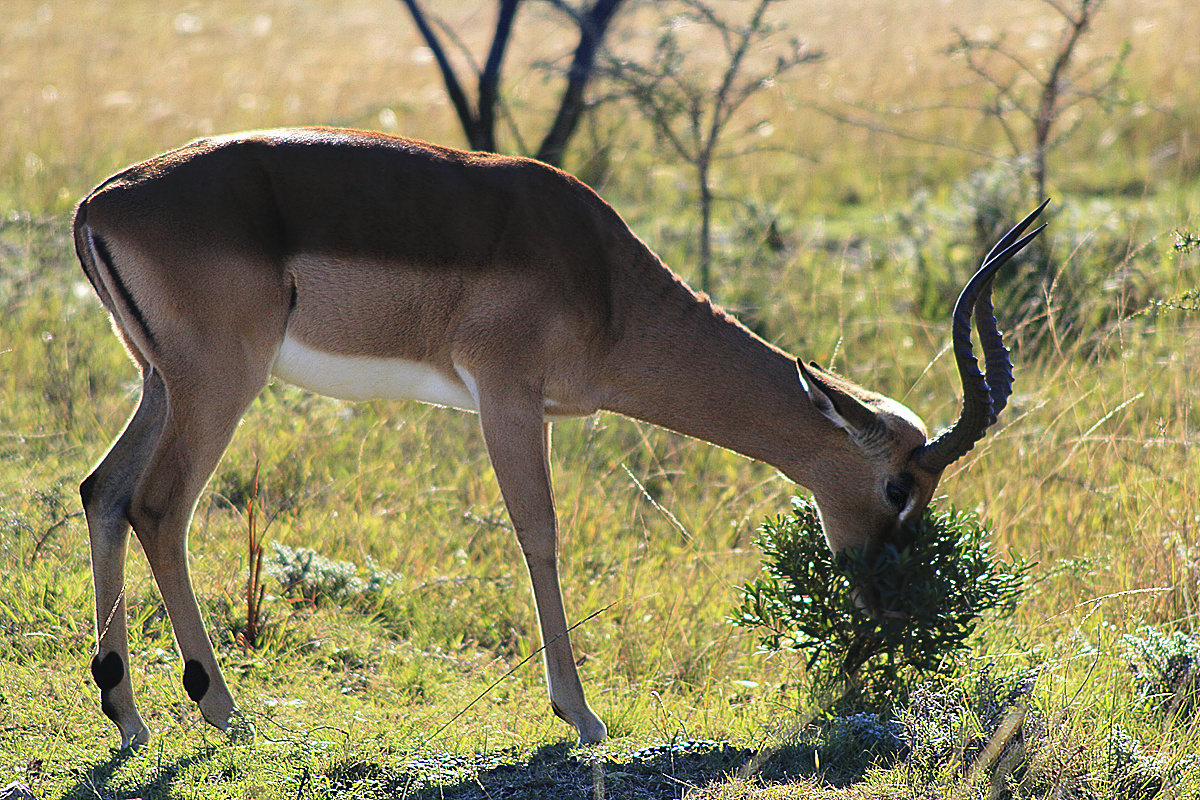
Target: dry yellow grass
(91, 85)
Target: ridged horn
(983, 397)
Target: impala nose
(903, 535)
(880, 562)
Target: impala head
(882, 471)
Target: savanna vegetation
(852, 195)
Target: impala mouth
(866, 599)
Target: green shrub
(931, 592)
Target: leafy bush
(930, 592)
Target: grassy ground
(1093, 472)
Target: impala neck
(684, 364)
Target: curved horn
(983, 397)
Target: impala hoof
(591, 728)
(219, 710)
(116, 700)
(594, 734)
(240, 730)
(216, 704)
(136, 740)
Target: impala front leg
(518, 444)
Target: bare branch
(454, 90)
(489, 78)
(899, 133)
(479, 123)
(593, 25)
(689, 114)
(1040, 96)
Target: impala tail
(106, 281)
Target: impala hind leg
(195, 433)
(518, 443)
(106, 494)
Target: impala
(360, 265)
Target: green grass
(1093, 472)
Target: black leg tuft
(108, 672)
(195, 680)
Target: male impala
(360, 265)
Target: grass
(1093, 472)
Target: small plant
(1133, 774)
(1166, 671)
(1187, 300)
(855, 743)
(44, 512)
(837, 751)
(1186, 242)
(255, 590)
(307, 574)
(971, 724)
(930, 594)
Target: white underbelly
(369, 378)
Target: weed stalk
(255, 590)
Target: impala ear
(840, 407)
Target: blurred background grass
(91, 86)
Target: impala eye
(897, 495)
